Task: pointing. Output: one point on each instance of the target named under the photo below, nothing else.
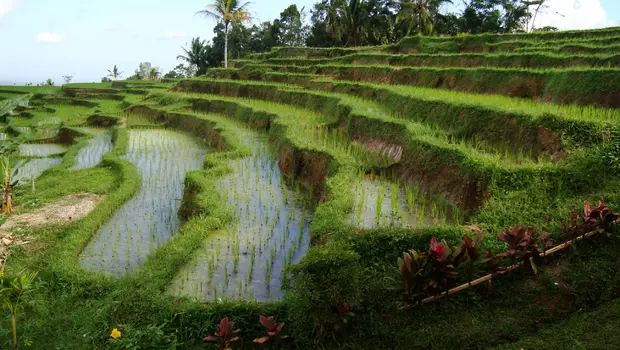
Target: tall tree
(264, 37)
(419, 15)
(115, 72)
(239, 38)
(143, 71)
(494, 16)
(227, 12)
(344, 20)
(154, 73)
(354, 16)
(196, 55)
(290, 27)
(67, 78)
(324, 31)
(381, 22)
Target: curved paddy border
(583, 86)
(538, 60)
(330, 273)
(333, 262)
(547, 133)
(296, 160)
(201, 210)
(464, 177)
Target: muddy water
(271, 232)
(149, 219)
(90, 155)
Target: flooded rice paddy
(149, 219)
(33, 168)
(383, 203)
(90, 155)
(40, 149)
(271, 232)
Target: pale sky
(42, 39)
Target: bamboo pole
(490, 276)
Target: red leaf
(343, 309)
(267, 322)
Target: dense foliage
(346, 23)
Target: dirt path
(64, 211)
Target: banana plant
(8, 175)
(7, 106)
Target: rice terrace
(357, 174)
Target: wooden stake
(490, 276)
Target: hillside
(291, 184)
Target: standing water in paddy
(90, 155)
(271, 231)
(33, 168)
(162, 158)
(42, 158)
(383, 203)
(40, 149)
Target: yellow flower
(115, 333)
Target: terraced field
(290, 184)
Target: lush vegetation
(410, 191)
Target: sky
(42, 39)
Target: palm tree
(539, 4)
(114, 73)
(333, 22)
(228, 12)
(355, 15)
(8, 180)
(196, 55)
(418, 13)
(154, 73)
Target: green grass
(88, 85)
(506, 60)
(596, 329)
(584, 86)
(57, 184)
(514, 160)
(493, 101)
(31, 89)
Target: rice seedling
(149, 218)
(40, 150)
(33, 168)
(270, 227)
(90, 155)
(380, 202)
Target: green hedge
(500, 121)
(532, 45)
(505, 60)
(595, 86)
(473, 43)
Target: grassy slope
(90, 305)
(596, 329)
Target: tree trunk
(226, 45)
(535, 14)
(14, 328)
(420, 23)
